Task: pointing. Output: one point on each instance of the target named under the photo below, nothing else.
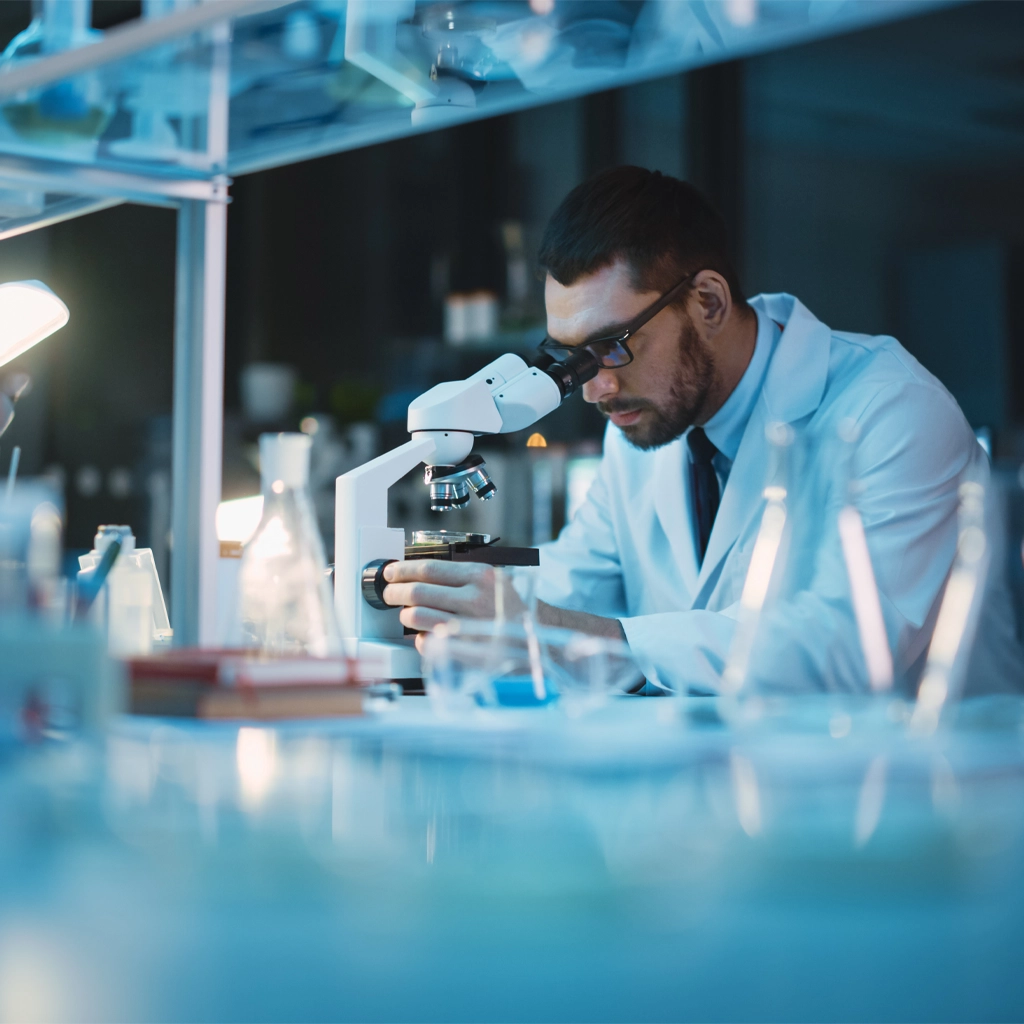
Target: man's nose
(604, 385)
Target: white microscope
(506, 395)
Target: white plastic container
(130, 607)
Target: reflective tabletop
(808, 860)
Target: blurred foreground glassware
(470, 664)
(766, 560)
(30, 549)
(945, 670)
(867, 606)
(810, 563)
(284, 600)
(55, 677)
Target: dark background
(876, 176)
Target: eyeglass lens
(609, 353)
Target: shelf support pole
(198, 433)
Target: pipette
(12, 472)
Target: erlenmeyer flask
(284, 601)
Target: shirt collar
(725, 428)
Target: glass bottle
(284, 600)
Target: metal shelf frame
(201, 202)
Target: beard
(693, 378)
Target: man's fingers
(423, 618)
(433, 570)
(454, 600)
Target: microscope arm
(506, 395)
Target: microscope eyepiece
(572, 372)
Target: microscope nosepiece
(450, 485)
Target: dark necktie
(705, 486)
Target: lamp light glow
(29, 312)
(237, 519)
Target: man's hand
(435, 591)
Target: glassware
(284, 600)
(767, 564)
(470, 664)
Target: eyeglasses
(612, 352)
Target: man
(692, 377)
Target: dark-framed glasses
(612, 352)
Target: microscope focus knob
(373, 583)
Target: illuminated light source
(29, 312)
(309, 425)
(536, 441)
(237, 519)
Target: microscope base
(386, 659)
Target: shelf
(301, 80)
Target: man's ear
(714, 301)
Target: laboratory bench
(802, 859)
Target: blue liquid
(519, 692)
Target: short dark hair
(661, 227)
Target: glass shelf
(320, 76)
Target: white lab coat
(629, 552)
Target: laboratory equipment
(91, 584)
(268, 391)
(455, 546)
(284, 601)
(124, 590)
(12, 387)
(765, 565)
(469, 664)
(867, 605)
(945, 670)
(29, 312)
(506, 395)
(12, 472)
(55, 681)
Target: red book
(241, 684)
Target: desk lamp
(29, 312)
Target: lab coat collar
(725, 429)
(793, 388)
(795, 382)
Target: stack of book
(240, 684)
